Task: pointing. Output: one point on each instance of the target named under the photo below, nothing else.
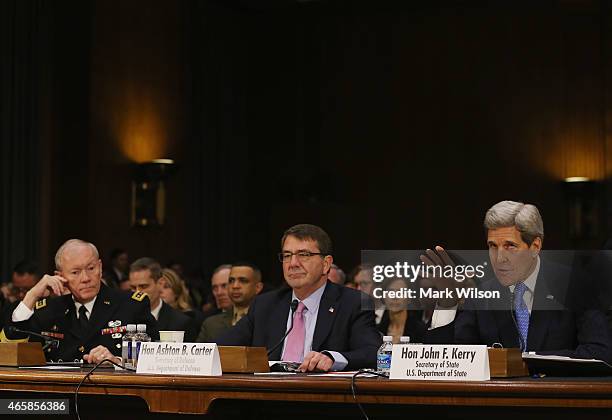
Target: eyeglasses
(301, 255)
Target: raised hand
(438, 257)
(47, 286)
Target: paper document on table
(566, 366)
(535, 356)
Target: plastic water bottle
(126, 347)
(404, 339)
(383, 357)
(140, 336)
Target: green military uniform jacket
(56, 317)
(215, 325)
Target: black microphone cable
(354, 387)
(91, 371)
(294, 305)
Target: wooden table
(196, 395)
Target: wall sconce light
(149, 192)
(583, 204)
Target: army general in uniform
(75, 308)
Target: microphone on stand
(49, 342)
(293, 306)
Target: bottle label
(383, 362)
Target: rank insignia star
(331, 310)
(82, 349)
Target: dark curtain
(23, 67)
(219, 148)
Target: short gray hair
(72, 243)
(525, 217)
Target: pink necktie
(294, 343)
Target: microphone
(522, 344)
(293, 306)
(49, 342)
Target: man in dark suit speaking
(328, 328)
(543, 306)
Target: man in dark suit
(85, 316)
(328, 329)
(145, 274)
(543, 307)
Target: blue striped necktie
(522, 313)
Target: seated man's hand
(439, 257)
(315, 361)
(99, 353)
(47, 286)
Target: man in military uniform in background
(74, 307)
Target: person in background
(174, 292)
(219, 281)
(244, 284)
(362, 277)
(401, 318)
(117, 273)
(24, 277)
(193, 283)
(145, 274)
(336, 275)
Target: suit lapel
(328, 308)
(542, 313)
(278, 324)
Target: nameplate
(440, 362)
(200, 359)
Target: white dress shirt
(23, 313)
(155, 312)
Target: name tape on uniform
(200, 359)
(440, 362)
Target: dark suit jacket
(341, 325)
(171, 319)
(564, 319)
(57, 315)
(215, 325)
(414, 328)
(111, 278)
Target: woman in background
(402, 316)
(174, 292)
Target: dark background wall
(391, 124)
